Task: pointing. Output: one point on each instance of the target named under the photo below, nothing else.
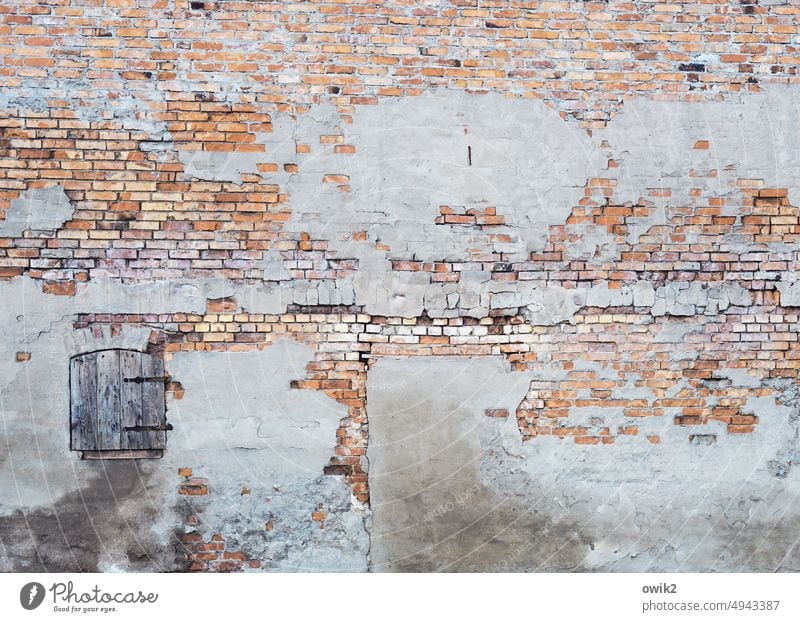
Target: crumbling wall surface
(58, 513)
(454, 488)
(258, 451)
(580, 217)
(241, 485)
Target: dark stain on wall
(74, 533)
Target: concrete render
(447, 148)
(39, 209)
(455, 490)
(452, 489)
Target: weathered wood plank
(130, 366)
(153, 406)
(124, 454)
(83, 397)
(109, 424)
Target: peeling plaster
(750, 136)
(593, 244)
(526, 162)
(456, 490)
(221, 165)
(385, 188)
(240, 425)
(37, 209)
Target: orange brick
(59, 288)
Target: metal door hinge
(148, 428)
(141, 379)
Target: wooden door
(117, 402)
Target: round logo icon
(31, 595)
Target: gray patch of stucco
(789, 288)
(425, 455)
(643, 294)
(739, 377)
(555, 304)
(675, 331)
(240, 425)
(104, 295)
(592, 244)
(685, 299)
(602, 296)
(220, 165)
(414, 155)
(654, 142)
(272, 267)
(455, 490)
(59, 513)
(37, 209)
(132, 109)
(552, 305)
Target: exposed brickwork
(206, 554)
(149, 79)
(112, 100)
(618, 341)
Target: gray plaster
(37, 209)
(643, 294)
(676, 331)
(593, 244)
(789, 288)
(739, 377)
(425, 456)
(413, 156)
(456, 490)
(59, 513)
(220, 165)
(273, 267)
(552, 305)
(241, 426)
(750, 136)
(686, 299)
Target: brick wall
(135, 108)
(101, 97)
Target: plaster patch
(427, 492)
(220, 165)
(451, 492)
(37, 209)
(241, 425)
(554, 304)
(413, 155)
(789, 288)
(653, 140)
(739, 377)
(593, 244)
